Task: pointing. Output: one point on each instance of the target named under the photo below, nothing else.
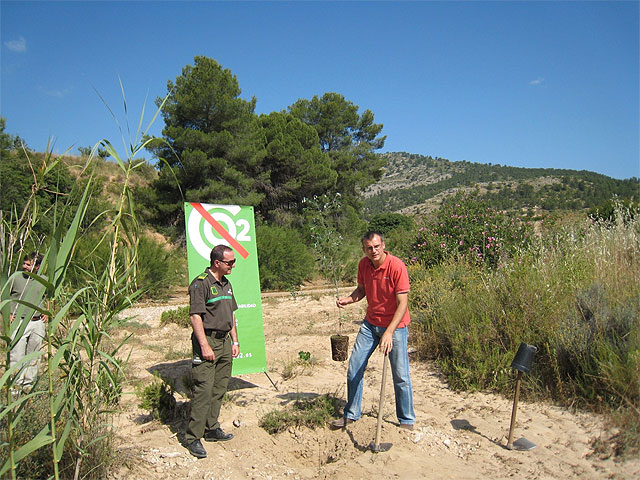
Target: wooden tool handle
(384, 381)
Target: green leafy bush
(39, 464)
(303, 365)
(159, 267)
(398, 242)
(110, 381)
(574, 293)
(179, 316)
(283, 258)
(304, 356)
(158, 399)
(311, 413)
(611, 208)
(386, 222)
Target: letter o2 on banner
(202, 235)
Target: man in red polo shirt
(383, 279)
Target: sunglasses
(230, 263)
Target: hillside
(109, 173)
(415, 184)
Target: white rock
(170, 455)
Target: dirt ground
(457, 435)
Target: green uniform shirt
(213, 300)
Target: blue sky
(528, 84)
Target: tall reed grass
(81, 382)
(574, 293)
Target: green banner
(210, 225)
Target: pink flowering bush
(466, 227)
(574, 292)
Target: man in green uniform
(215, 343)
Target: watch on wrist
(236, 344)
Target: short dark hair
(217, 252)
(35, 257)
(370, 234)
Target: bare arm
(357, 295)
(386, 342)
(198, 331)
(235, 349)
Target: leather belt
(215, 333)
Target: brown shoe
(341, 422)
(407, 426)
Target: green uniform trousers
(211, 380)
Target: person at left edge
(23, 287)
(215, 343)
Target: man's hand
(356, 296)
(341, 302)
(207, 352)
(386, 342)
(198, 331)
(235, 350)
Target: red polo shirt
(381, 286)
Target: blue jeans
(366, 342)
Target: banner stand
(274, 385)
(209, 225)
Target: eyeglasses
(230, 263)
(371, 248)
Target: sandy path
(457, 435)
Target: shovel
(522, 363)
(377, 446)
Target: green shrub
(179, 316)
(598, 347)
(304, 365)
(283, 258)
(311, 413)
(304, 356)
(110, 381)
(387, 222)
(39, 464)
(35, 417)
(574, 293)
(399, 242)
(612, 208)
(158, 399)
(159, 267)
